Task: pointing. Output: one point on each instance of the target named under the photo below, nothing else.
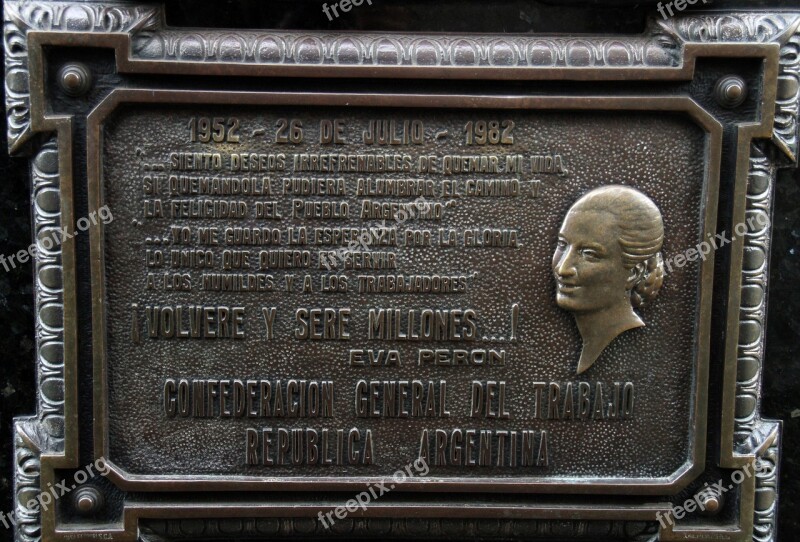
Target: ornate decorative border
(49, 294)
(27, 465)
(786, 105)
(774, 27)
(752, 435)
(151, 41)
(282, 47)
(45, 431)
(758, 27)
(22, 16)
(766, 495)
(660, 48)
(754, 294)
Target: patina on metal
(608, 261)
(389, 282)
(519, 296)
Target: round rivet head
(711, 502)
(731, 91)
(87, 500)
(75, 79)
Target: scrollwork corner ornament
(764, 27)
(22, 16)
(27, 468)
(766, 494)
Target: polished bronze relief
(492, 302)
(608, 262)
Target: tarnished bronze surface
(520, 270)
(402, 273)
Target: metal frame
(142, 44)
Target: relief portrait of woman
(607, 264)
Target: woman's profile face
(587, 263)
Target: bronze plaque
(528, 308)
(327, 293)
